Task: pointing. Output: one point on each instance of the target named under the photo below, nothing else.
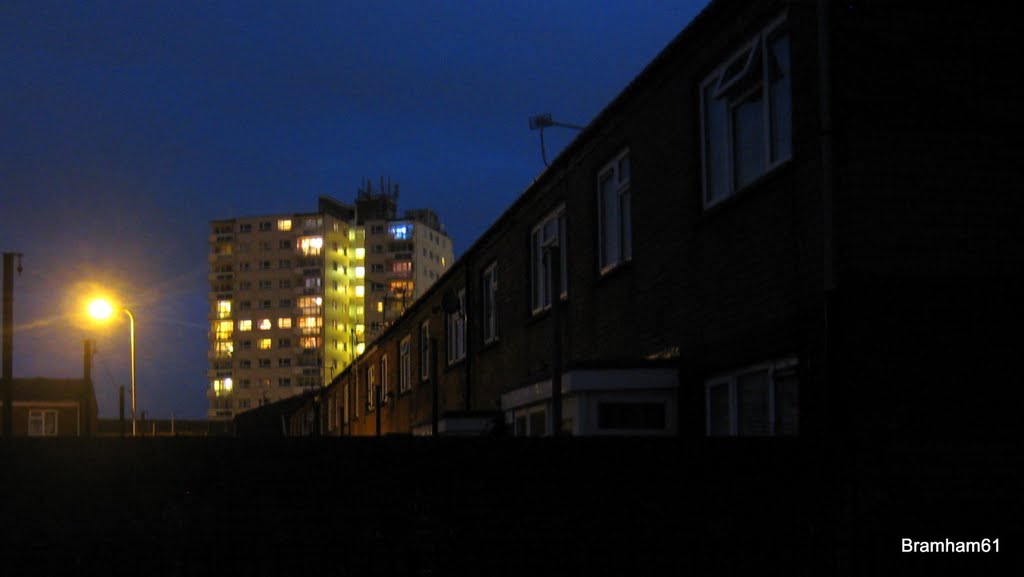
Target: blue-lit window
(400, 231)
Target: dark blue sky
(125, 127)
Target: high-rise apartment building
(404, 256)
(294, 298)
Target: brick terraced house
(801, 219)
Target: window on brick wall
(489, 300)
(756, 401)
(384, 379)
(550, 232)
(42, 423)
(405, 364)
(425, 351)
(746, 108)
(615, 232)
(457, 330)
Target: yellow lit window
(284, 322)
(245, 325)
(310, 322)
(360, 290)
(380, 306)
(222, 330)
(224, 349)
(284, 224)
(265, 324)
(442, 261)
(360, 253)
(360, 272)
(311, 245)
(223, 309)
(360, 329)
(309, 342)
(222, 386)
(264, 344)
(360, 348)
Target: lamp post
(101, 309)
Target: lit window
(222, 386)
(613, 201)
(222, 330)
(223, 349)
(759, 401)
(402, 267)
(360, 272)
(746, 110)
(360, 253)
(311, 245)
(284, 224)
(457, 330)
(360, 348)
(264, 344)
(265, 324)
(380, 306)
(309, 342)
(490, 303)
(245, 325)
(284, 322)
(223, 309)
(360, 290)
(400, 231)
(401, 287)
(550, 232)
(310, 325)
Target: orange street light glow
(100, 309)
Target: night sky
(125, 127)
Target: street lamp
(101, 309)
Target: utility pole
(8, 346)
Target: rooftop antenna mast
(542, 121)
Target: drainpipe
(552, 254)
(433, 381)
(828, 210)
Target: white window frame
(620, 217)
(457, 330)
(527, 416)
(729, 380)
(489, 300)
(540, 273)
(750, 60)
(405, 364)
(425, 351)
(38, 423)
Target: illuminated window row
(263, 324)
